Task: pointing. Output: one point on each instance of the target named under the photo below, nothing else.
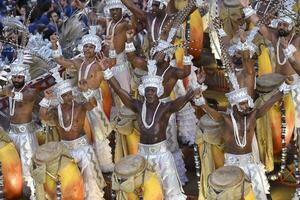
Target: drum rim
(215, 185)
(136, 173)
(56, 155)
(268, 88)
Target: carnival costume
(82, 152)
(23, 135)
(159, 154)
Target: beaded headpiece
(286, 14)
(165, 47)
(152, 80)
(63, 87)
(18, 67)
(161, 3)
(92, 38)
(111, 4)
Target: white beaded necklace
(240, 143)
(61, 120)
(114, 27)
(277, 51)
(160, 28)
(12, 102)
(144, 113)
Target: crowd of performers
(129, 54)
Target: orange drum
(52, 164)
(229, 183)
(134, 177)
(11, 167)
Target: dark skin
(146, 18)
(251, 116)
(23, 110)
(157, 132)
(95, 75)
(80, 110)
(172, 74)
(273, 36)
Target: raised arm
(252, 17)
(57, 55)
(291, 52)
(124, 96)
(265, 102)
(45, 113)
(88, 94)
(249, 72)
(177, 105)
(184, 72)
(132, 57)
(139, 13)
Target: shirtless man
(69, 117)
(238, 133)
(88, 69)
(171, 74)
(22, 128)
(153, 116)
(157, 21)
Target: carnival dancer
(153, 117)
(69, 117)
(22, 129)
(241, 119)
(285, 42)
(88, 69)
(171, 74)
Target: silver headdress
(111, 4)
(91, 38)
(152, 80)
(18, 67)
(165, 47)
(161, 3)
(286, 14)
(63, 87)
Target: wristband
(108, 74)
(129, 47)
(45, 103)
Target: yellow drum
(229, 183)
(11, 167)
(134, 177)
(52, 164)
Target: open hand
(82, 85)
(102, 60)
(201, 75)
(49, 94)
(244, 3)
(130, 34)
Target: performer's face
(237, 60)
(283, 29)
(18, 81)
(244, 108)
(116, 13)
(89, 50)
(67, 97)
(155, 8)
(151, 94)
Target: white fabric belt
(236, 159)
(75, 144)
(22, 128)
(160, 147)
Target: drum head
(48, 152)
(268, 82)
(226, 177)
(206, 122)
(232, 3)
(130, 166)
